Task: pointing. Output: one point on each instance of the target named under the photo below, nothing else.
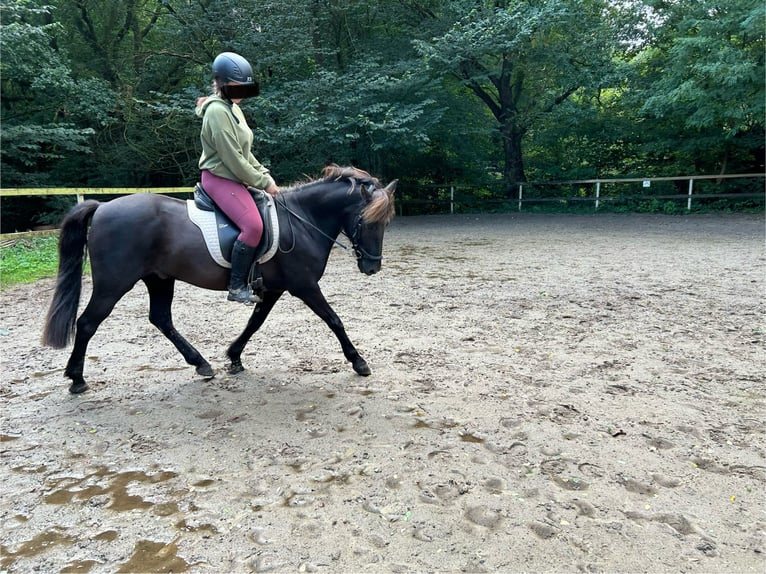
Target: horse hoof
(206, 371)
(362, 368)
(78, 388)
(236, 367)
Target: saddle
(220, 232)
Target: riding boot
(241, 258)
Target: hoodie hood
(200, 110)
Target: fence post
(689, 201)
(598, 193)
(452, 199)
(521, 187)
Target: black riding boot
(241, 259)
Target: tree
(47, 114)
(701, 81)
(123, 43)
(522, 59)
(340, 80)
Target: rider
(229, 167)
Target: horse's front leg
(160, 315)
(317, 303)
(257, 319)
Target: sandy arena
(549, 394)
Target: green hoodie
(226, 142)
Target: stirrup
(243, 295)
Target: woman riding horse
(171, 248)
(229, 167)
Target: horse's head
(366, 221)
(367, 235)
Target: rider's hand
(272, 188)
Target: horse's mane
(354, 174)
(379, 209)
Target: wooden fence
(590, 191)
(597, 196)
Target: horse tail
(60, 322)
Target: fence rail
(80, 193)
(597, 196)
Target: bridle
(358, 252)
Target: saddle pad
(207, 223)
(205, 220)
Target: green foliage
(523, 60)
(47, 115)
(428, 91)
(699, 86)
(28, 261)
(328, 122)
(712, 72)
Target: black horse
(150, 238)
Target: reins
(358, 251)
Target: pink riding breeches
(237, 203)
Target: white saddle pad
(207, 224)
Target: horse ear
(391, 187)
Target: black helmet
(231, 67)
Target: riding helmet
(231, 67)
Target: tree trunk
(513, 161)
(503, 101)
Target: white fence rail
(597, 197)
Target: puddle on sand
(151, 556)
(147, 556)
(117, 488)
(39, 544)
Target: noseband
(358, 251)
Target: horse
(150, 238)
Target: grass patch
(28, 260)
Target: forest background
(101, 93)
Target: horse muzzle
(368, 266)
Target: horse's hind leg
(98, 309)
(160, 300)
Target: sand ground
(549, 394)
